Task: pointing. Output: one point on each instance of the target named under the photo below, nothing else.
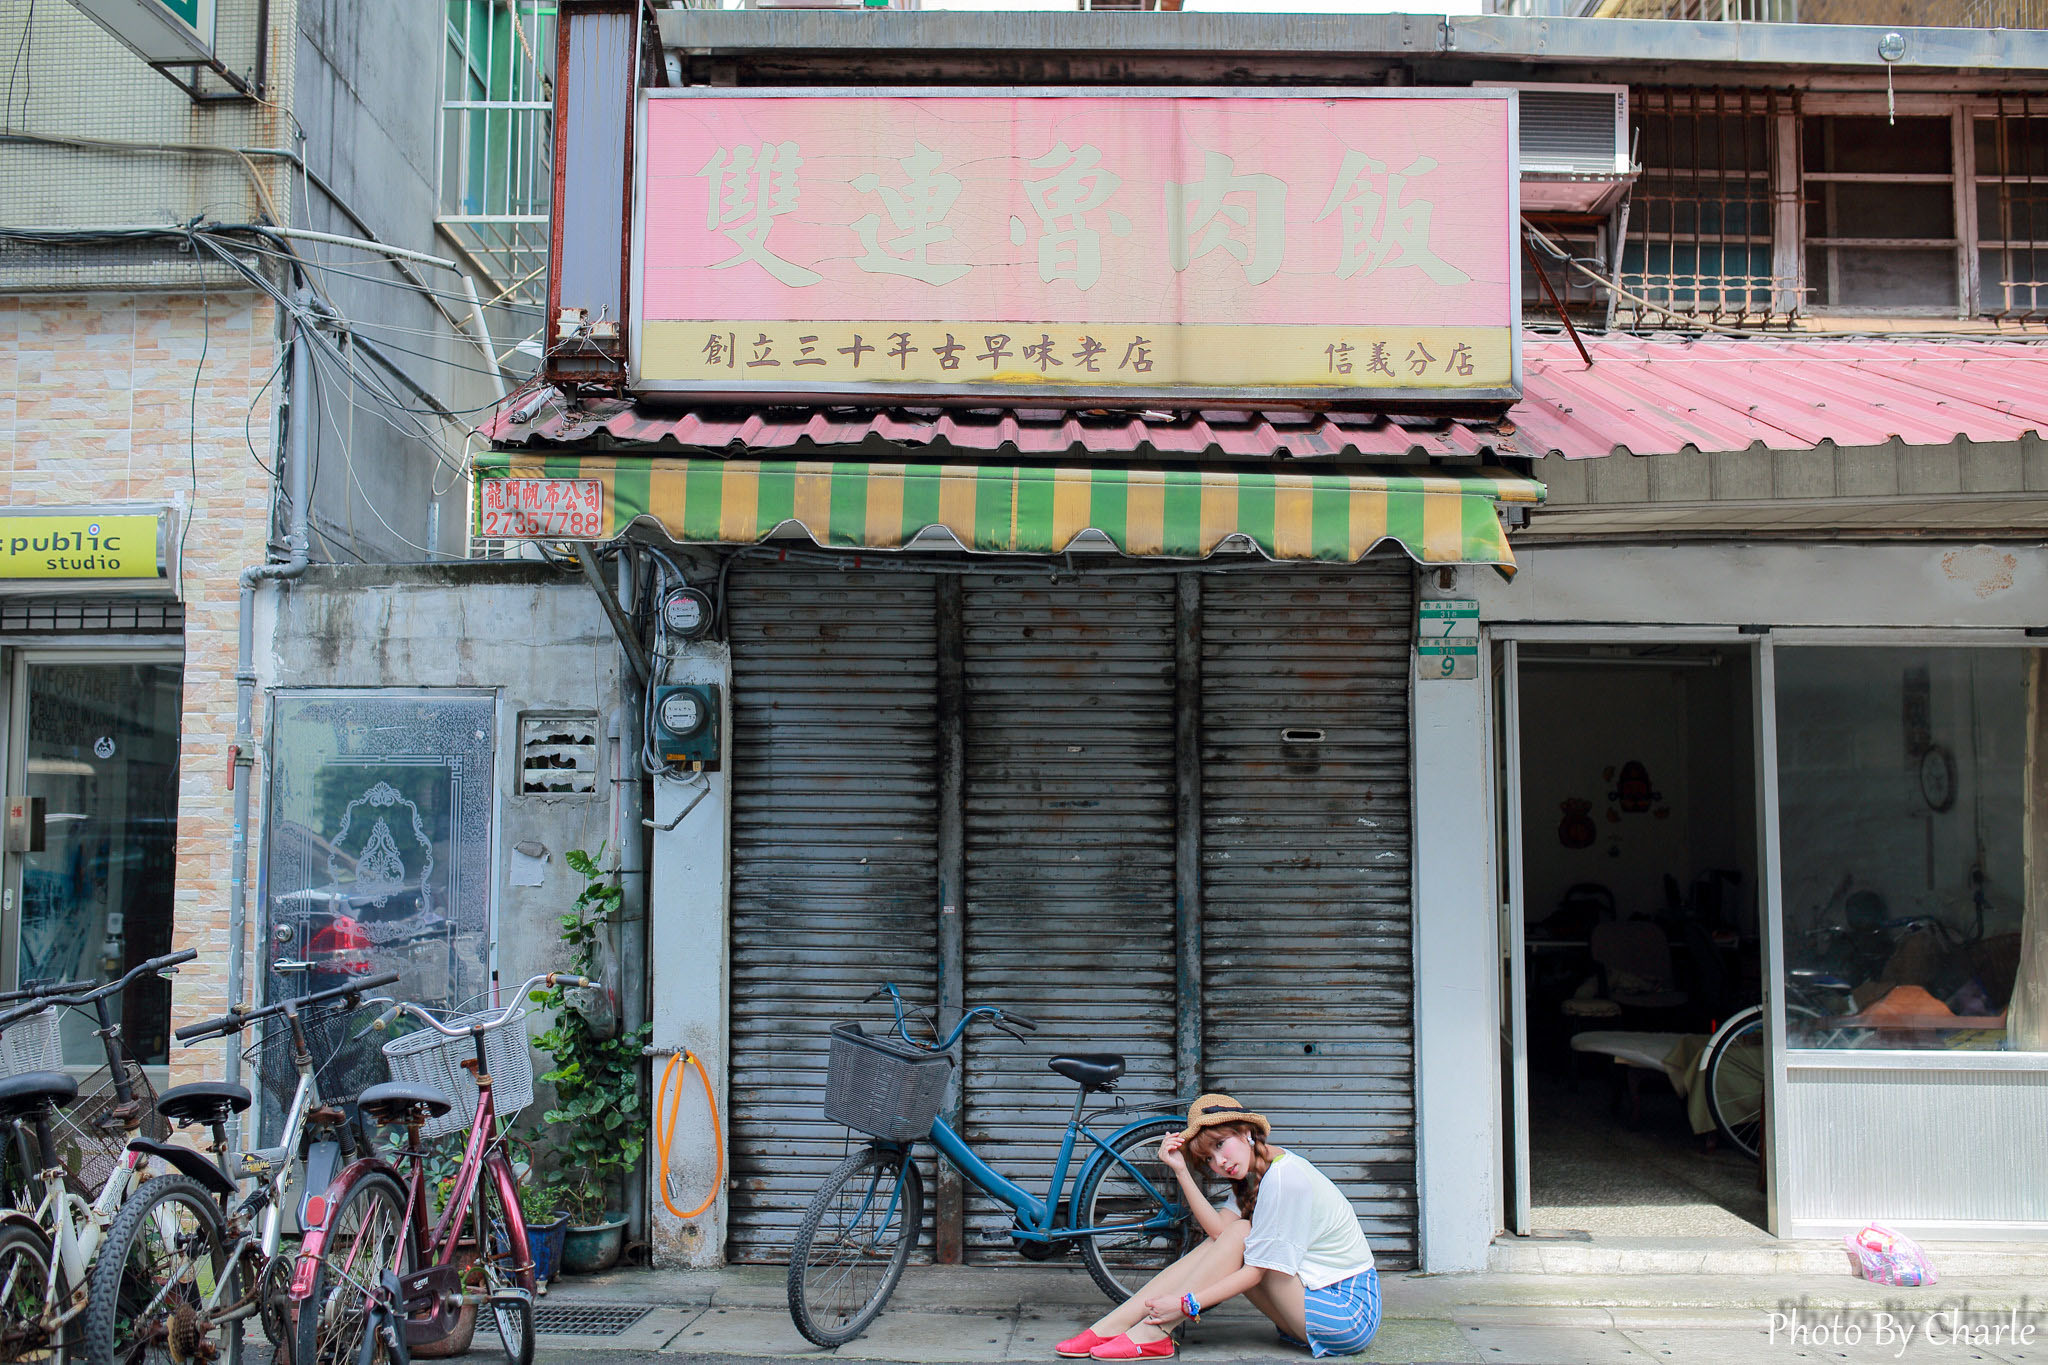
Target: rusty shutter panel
(1307, 963)
(1069, 856)
(834, 860)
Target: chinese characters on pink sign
(1078, 245)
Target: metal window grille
(1698, 238)
(91, 616)
(497, 140)
(2012, 210)
(586, 1319)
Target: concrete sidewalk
(1015, 1314)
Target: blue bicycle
(1125, 1213)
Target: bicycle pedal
(511, 1294)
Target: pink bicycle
(373, 1280)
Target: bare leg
(1215, 1257)
(1279, 1296)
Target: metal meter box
(686, 728)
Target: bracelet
(1191, 1306)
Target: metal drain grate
(586, 1319)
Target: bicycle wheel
(367, 1236)
(851, 1248)
(506, 1262)
(24, 1272)
(1735, 1084)
(162, 1272)
(1161, 1228)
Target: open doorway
(1640, 934)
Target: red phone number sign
(542, 509)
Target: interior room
(1638, 808)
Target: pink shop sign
(1076, 248)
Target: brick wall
(97, 403)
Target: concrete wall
(531, 632)
(689, 893)
(1457, 1021)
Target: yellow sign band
(788, 356)
(78, 547)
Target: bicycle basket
(884, 1088)
(90, 1134)
(32, 1045)
(429, 1059)
(344, 1069)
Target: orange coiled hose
(665, 1130)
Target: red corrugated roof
(1642, 396)
(1659, 396)
(1027, 431)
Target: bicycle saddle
(394, 1102)
(1093, 1070)
(22, 1095)
(202, 1102)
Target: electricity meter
(686, 724)
(687, 612)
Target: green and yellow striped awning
(1030, 509)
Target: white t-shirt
(1304, 1225)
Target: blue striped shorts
(1342, 1317)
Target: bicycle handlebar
(1002, 1019)
(48, 988)
(43, 1002)
(419, 1012)
(235, 1020)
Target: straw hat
(1210, 1110)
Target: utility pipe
(242, 756)
(633, 954)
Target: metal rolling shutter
(1069, 829)
(834, 859)
(1307, 966)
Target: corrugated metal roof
(1027, 431)
(1642, 396)
(1661, 396)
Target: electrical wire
(309, 325)
(192, 423)
(28, 25)
(249, 414)
(349, 464)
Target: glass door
(98, 746)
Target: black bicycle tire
(306, 1347)
(1755, 1024)
(13, 1238)
(522, 1277)
(912, 1205)
(109, 1276)
(1091, 1254)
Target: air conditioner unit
(1575, 148)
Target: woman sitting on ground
(1286, 1239)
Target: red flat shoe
(1123, 1348)
(1077, 1348)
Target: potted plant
(547, 1223)
(597, 1127)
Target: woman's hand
(1165, 1309)
(1170, 1153)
